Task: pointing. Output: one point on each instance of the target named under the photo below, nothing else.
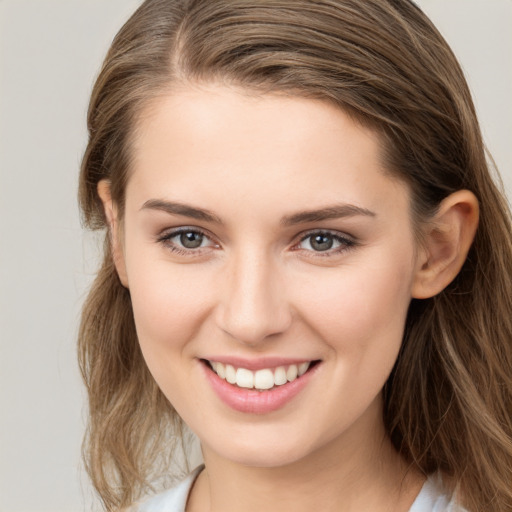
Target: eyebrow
(185, 210)
(321, 214)
(330, 212)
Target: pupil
(191, 240)
(321, 242)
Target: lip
(251, 401)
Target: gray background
(50, 52)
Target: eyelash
(166, 240)
(345, 243)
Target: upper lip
(258, 363)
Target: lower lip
(253, 401)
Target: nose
(253, 305)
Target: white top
(430, 498)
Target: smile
(263, 379)
(261, 390)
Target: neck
(357, 471)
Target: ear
(111, 214)
(447, 240)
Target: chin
(262, 452)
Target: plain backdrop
(50, 53)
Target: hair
(448, 401)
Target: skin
(257, 287)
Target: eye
(325, 241)
(190, 239)
(185, 240)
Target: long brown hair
(448, 402)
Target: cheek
(362, 306)
(170, 305)
(361, 320)
(169, 301)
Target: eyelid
(171, 232)
(325, 231)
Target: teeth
(261, 379)
(230, 373)
(303, 368)
(220, 369)
(280, 376)
(244, 378)
(292, 372)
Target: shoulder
(171, 500)
(434, 498)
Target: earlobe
(448, 239)
(111, 215)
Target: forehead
(213, 142)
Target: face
(264, 245)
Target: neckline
(431, 497)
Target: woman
(307, 263)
